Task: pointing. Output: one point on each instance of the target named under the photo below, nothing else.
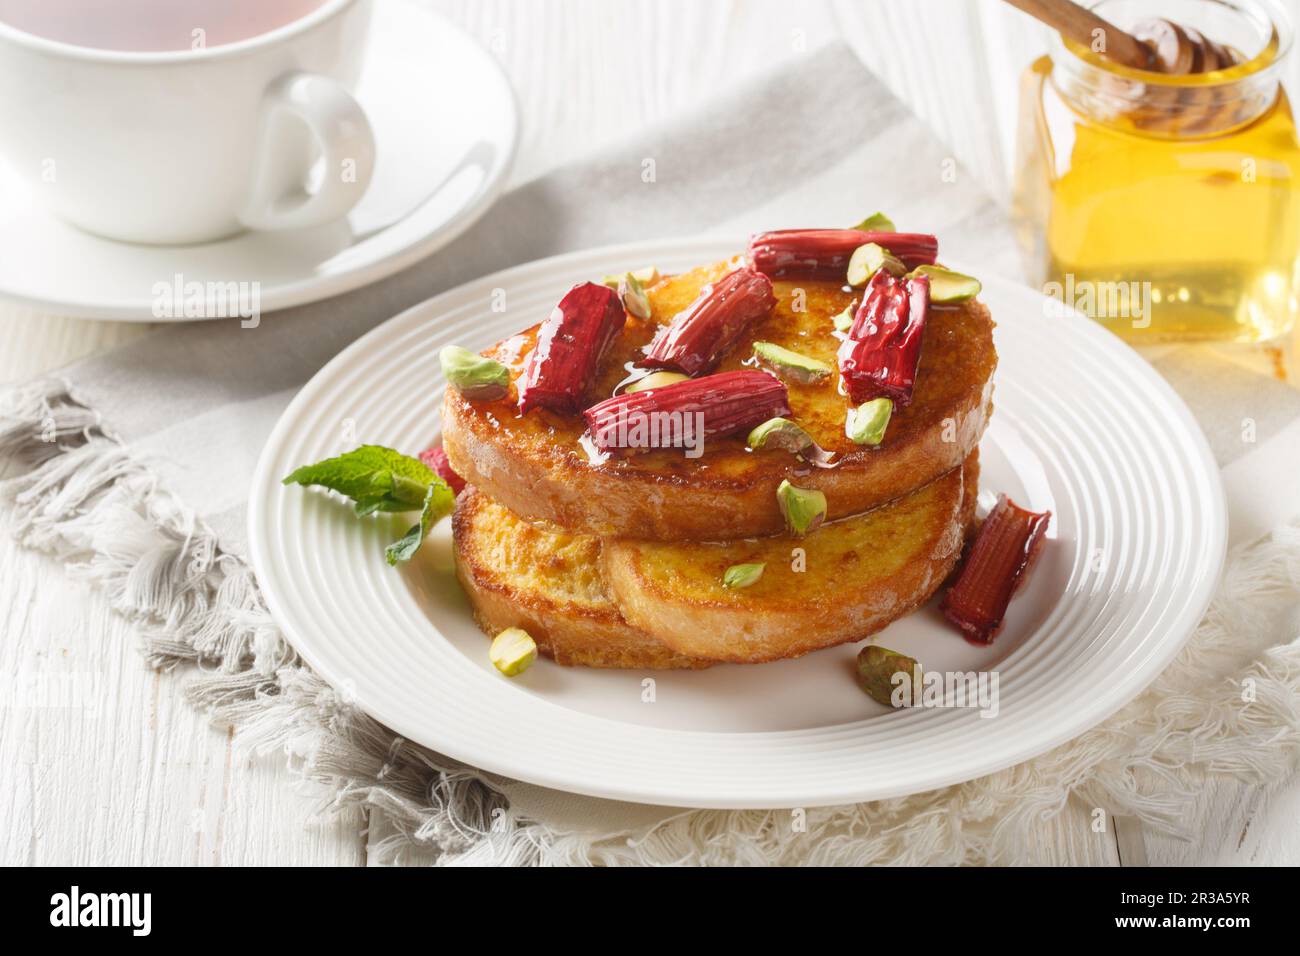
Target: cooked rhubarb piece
(437, 461)
(569, 347)
(998, 562)
(825, 253)
(685, 413)
(883, 348)
(709, 327)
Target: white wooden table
(141, 779)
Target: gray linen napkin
(797, 148)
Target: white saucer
(445, 123)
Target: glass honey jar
(1166, 207)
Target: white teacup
(192, 120)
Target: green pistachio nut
(477, 378)
(513, 651)
(635, 301)
(882, 673)
(869, 259)
(792, 365)
(804, 509)
(656, 380)
(780, 433)
(647, 276)
(876, 222)
(742, 575)
(948, 286)
(866, 424)
(844, 321)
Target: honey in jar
(1166, 207)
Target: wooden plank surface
(135, 776)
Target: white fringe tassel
(1229, 705)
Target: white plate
(445, 127)
(1083, 427)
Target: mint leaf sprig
(381, 479)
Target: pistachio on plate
(656, 380)
(877, 222)
(886, 675)
(804, 509)
(791, 364)
(513, 651)
(742, 575)
(870, 258)
(948, 286)
(477, 378)
(866, 424)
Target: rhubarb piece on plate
(707, 329)
(1004, 551)
(879, 357)
(825, 253)
(437, 461)
(569, 347)
(685, 413)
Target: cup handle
(346, 142)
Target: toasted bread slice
(535, 465)
(861, 574)
(841, 583)
(517, 575)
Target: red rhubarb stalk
(1003, 553)
(693, 410)
(570, 344)
(437, 461)
(706, 330)
(880, 356)
(825, 253)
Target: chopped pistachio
(477, 378)
(635, 301)
(948, 286)
(877, 222)
(804, 509)
(844, 321)
(866, 424)
(647, 276)
(881, 672)
(869, 259)
(742, 575)
(784, 362)
(656, 380)
(780, 433)
(513, 651)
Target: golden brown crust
(535, 465)
(599, 603)
(847, 581)
(573, 624)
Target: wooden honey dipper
(1157, 45)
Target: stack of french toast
(745, 462)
